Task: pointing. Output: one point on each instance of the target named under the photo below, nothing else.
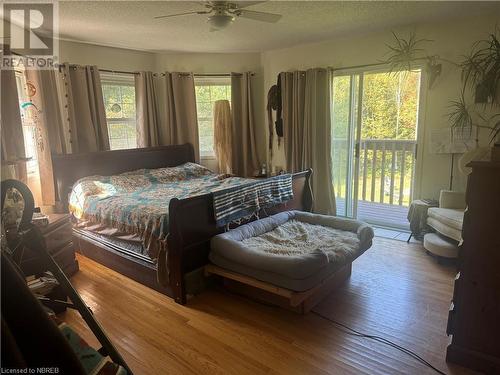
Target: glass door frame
(355, 110)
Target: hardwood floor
(395, 291)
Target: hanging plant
(495, 128)
(481, 76)
(461, 118)
(481, 69)
(460, 115)
(405, 52)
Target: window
(208, 91)
(30, 118)
(119, 101)
(29, 113)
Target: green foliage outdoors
(206, 96)
(122, 123)
(122, 95)
(389, 112)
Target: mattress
(131, 243)
(293, 261)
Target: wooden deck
(380, 214)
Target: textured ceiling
(130, 24)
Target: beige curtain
(223, 135)
(48, 124)
(177, 109)
(57, 132)
(293, 87)
(13, 151)
(307, 131)
(150, 132)
(245, 158)
(86, 113)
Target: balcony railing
(386, 169)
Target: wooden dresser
(474, 318)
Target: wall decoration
(115, 108)
(30, 89)
(448, 141)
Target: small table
(417, 216)
(58, 237)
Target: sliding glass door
(374, 141)
(344, 138)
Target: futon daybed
(292, 254)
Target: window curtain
(150, 132)
(307, 131)
(293, 89)
(13, 151)
(48, 123)
(244, 150)
(223, 135)
(86, 113)
(178, 109)
(50, 82)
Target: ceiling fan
(222, 13)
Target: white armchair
(447, 219)
(452, 199)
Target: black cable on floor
(351, 331)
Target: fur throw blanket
(296, 237)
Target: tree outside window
(119, 101)
(208, 91)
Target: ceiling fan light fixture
(220, 21)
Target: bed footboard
(192, 225)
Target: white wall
(451, 41)
(208, 62)
(105, 57)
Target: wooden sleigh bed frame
(191, 220)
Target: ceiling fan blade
(182, 14)
(245, 4)
(259, 16)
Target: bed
(191, 221)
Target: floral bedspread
(137, 202)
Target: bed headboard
(71, 167)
